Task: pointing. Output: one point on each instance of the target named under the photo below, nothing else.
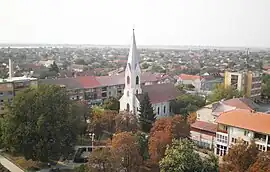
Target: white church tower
(129, 102)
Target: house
(242, 124)
(160, 95)
(203, 131)
(193, 80)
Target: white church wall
(162, 109)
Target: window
(1, 93)
(261, 147)
(246, 142)
(234, 140)
(128, 80)
(104, 88)
(127, 93)
(246, 133)
(158, 110)
(137, 80)
(137, 92)
(221, 150)
(222, 139)
(164, 109)
(128, 107)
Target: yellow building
(247, 82)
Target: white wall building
(160, 95)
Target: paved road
(9, 165)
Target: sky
(244, 23)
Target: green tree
(112, 104)
(40, 123)
(180, 157)
(266, 85)
(187, 104)
(81, 168)
(142, 140)
(146, 114)
(220, 92)
(54, 67)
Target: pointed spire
(133, 56)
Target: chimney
(10, 67)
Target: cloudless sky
(157, 22)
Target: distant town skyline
(223, 23)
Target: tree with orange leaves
(162, 133)
(262, 163)
(240, 157)
(126, 147)
(192, 117)
(160, 137)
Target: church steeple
(128, 101)
(133, 55)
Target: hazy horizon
(199, 23)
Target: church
(160, 95)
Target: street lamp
(92, 135)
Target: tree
(111, 104)
(127, 150)
(180, 127)
(160, 137)
(103, 159)
(192, 118)
(40, 123)
(262, 163)
(162, 133)
(81, 168)
(146, 114)
(142, 140)
(125, 121)
(102, 121)
(220, 92)
(240, 157)
(54, 67)
(266, 85)
(180, 157)
(186, 104)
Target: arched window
(128, 107)
(158, 110)
(128, 80)
(164, 109)
(137, 80)
(137, 92)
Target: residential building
(242, 124)
(203, 131)
(160, 95)
(10, 86)
(247, 82)
(202, 84)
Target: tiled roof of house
(96, 81)
(241, 103)
(205, 126)
(159, 92)
(189, 77)
(246, 119)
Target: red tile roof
(88, 81)
(205, 126)
(246, 119)
(189, 77)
